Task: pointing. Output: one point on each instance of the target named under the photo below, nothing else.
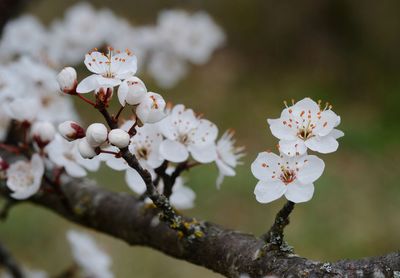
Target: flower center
(305, 133)
(69, 156)
(142, 153)
(287, 176)
(184, 138)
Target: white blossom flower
(131, 91)
(109, 70)
(43, 133)
(23, 36)
(93, 261)
(71, 130)
(186, 133)
(182, 197)
(151, 108)
(167, 68)
(25, 177)
(119, 138)
(40, 81)
(23, 109)
(227, 156)
(194, 37)
(305, 125)
(67, 80)
(85, 149)
(65, 154)
(284, 175)
(96, 134)
(145, 146)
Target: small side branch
(169, 215)
(9, 263)
(275, 234)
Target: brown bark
(227, 252)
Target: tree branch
(227, 252)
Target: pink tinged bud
(151, 109)
(67, 80)
(85, 149)
(119, 138)
(43, 133)
(96, 134)
(71, 130)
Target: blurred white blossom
(227, 156)
(25, 177)
(93, 261)
(65, 154)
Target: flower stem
(119, 113)
(86, 100)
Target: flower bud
(119, 138)
(67, 80)
(131, 91)
(43, 133)
(96, 134)
(85, 149)
(151, 109)
(71, 130)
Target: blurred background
(344, 52)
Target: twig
(275, 234)
(9, 263)
(85, 99)
(169, 214)
(116, 117)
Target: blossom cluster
(177, 39)
(303, 125)
(155, 133)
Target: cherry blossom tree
(46, 150)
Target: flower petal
(122, 93)
(326, 144)
(299, 193)
(88, 84)
(311, 170)
(173, 151)
(75, 170)
(335, 133)
(293, 147)
(224, 168)
(282, 131)
(203, 154)
(135, 181)
(269, 191)
(265, 165)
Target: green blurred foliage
(344, 52)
